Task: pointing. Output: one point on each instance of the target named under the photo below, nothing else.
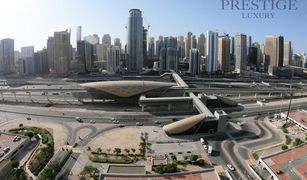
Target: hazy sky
(30, 22)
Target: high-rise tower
(211, 51)
(135, 41)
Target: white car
(115, 122)
(92, 121)
(230, 167)
(139, 124)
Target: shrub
(20, 125)
(288, 140)
(255, 156)
(199, 162)
(284, 147)
(89, 172)
(285, 130)
(109, 160)
(297, 142)
(193, 157)
(168, 168)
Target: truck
(209, 150)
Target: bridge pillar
(255, 95)
(93, 100)
(269, 94)
(169, 107)
(280, 94)
(239, 96)
(143, 107)
(15, 96)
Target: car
(139, 124)
(279, 172)
(120, 125)
(157, 122)
(92, 121)
(244, 115)
(28, 118)
(78, 119)
(230, 167)
(48, 105)
(115, 122)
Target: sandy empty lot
(121, 138)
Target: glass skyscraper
(135, 41)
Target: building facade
(211, 51)
(113, 58)
(240, 52)
(188, 42)
(7, 61)
(201, 45)
(287, 52)
(195, 58)
(62, 52)
(274, 52)
(224, 54)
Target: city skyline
(23, 18)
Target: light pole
(291, 94)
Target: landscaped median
(42, 155)
(121, 160)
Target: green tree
(21, 125)
(30, 134)
(117, 151)
(15, 164)
(133, 150)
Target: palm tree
(133, 150)
(117, 151)
(99, 150)
(127, 150)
